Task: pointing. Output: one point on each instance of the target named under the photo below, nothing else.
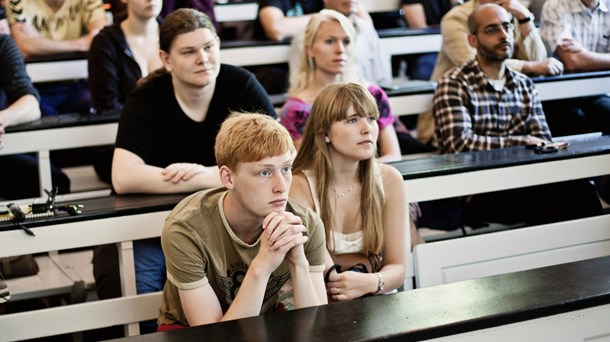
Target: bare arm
(282, 238)
(247, 303)
(549, 66)
(277, 26)
(131, 175)
(351, 285)
(395, 228)
(577, 58)
(25, 109)
(31, 43)
(389, 148)
(415, 16)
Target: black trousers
(19, 176)
(534, 205)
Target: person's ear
(227, 177)
(164, 56)
(472, 40)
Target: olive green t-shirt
(200, 248)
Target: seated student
(230, 250)
(529, 55)
(165, 140)
(19, 104)
(285, 19)
(45, 27)
(119, 56)
(335, 169)
(483, 104)
(372, 64)
(279, 20)
(326, 57)
(123, 53)
(576, 31)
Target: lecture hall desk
(558, 303)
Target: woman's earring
(312, 64)
(327, 139)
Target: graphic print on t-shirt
(229, 285)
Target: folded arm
(32, 43)
(130, 174)
(577, 58)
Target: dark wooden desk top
(67, 120)
(447, 164)
(571, 76)
(424, 313)
(67, 56)
(103, 207)
(405, 31)
(428, 87)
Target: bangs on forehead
(361, 103)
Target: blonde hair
(330, 106)
(305, 70)
(249, 137)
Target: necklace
(342, 194)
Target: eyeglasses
(492, 30)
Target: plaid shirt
(471, 115)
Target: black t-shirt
(154, 127)
(289, 8)
(434, 9)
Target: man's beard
(492, 55)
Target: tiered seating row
(128, 218)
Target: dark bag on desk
(18, 266)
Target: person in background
(47, 27)
(577, 33)
(285, 19)
(372, 63)
(470, 110)
(119, 56)
(123, 53)
(230, 250)
(423, 14)
(19, 104)
(528, 56)
(165, 140)
(325, 58)
(335, 168)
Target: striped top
(571, 19)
